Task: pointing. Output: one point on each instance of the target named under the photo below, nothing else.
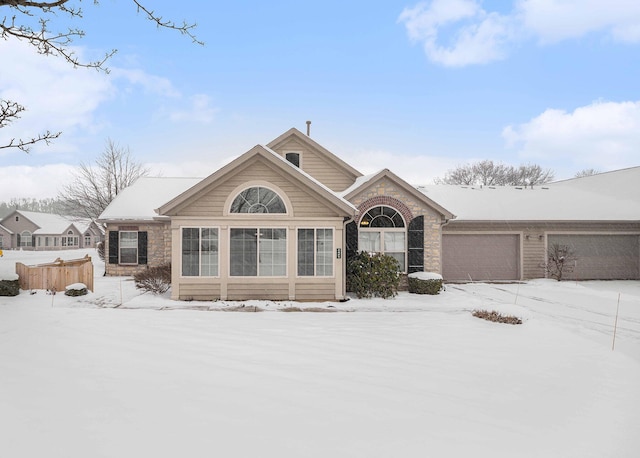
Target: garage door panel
(481, 257)
(602, 257)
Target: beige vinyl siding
(314, 163)
(201, 291)
(258, 289)
(320, 290)
(213, 201)
(227, 287)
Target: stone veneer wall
(387, 193)
(158, 247)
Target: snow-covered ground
(118, 373)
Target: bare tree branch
(488, 173)
(9, 112)
(58, 44)
(94, 187)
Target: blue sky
(417, 87)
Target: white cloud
(556, 20)
(199, 110)
(56, 96)
(456, 33)
(602, 135)
(416, 170)
(150, 83)
(38, 182)
(481, 38)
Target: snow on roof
(139, 201)
(5, 229)
(623, 183)
(614, 196)
(361, 180)
(48, 223)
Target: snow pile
(426, 275)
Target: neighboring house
(280, 221)
(29, 230)
(5, 237)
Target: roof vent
(308, 128)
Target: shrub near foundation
(155, 280)
(425, 283)
(373, 275)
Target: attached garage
(601, 256)
(480, 257)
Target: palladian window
(258, 200)
(382, 230)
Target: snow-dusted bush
(373, 275)
(425, 283)
(76, 289)
(155, 280)
(9, 287)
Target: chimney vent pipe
(308, 128)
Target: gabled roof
(272, 158)
(308, 141)
(48, 223)
(138, 201)
(364, 181)
(5, 229)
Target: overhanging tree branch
(58, 44)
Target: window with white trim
(128, 247)
(25, 238)
(199, 252)
(315, 252)
(258, 199)
(382, 230)
(260, 252)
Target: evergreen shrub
(373, 275)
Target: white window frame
(120, 248)
(217, 252)
(29, 238)
(385, 230)
(258, 252)
(330, 252)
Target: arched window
(25, 238)
(382, 216)
(382, 230)
(258, 200)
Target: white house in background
(280, 221)
(29, 230)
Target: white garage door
(480, 257)
(602, 257)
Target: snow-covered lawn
(117, 373)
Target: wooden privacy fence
(57, 275)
